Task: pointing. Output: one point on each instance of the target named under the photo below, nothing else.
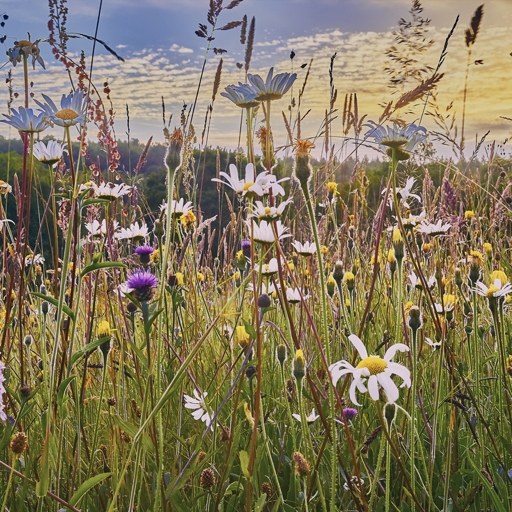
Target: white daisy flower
(404, 193)
(34, 259)
(98, 229)
(376, 370)
(411, 221)
(305, 249)
(25, 120)
(269, 183)
(198, 406)
(436, 229)
(499, 288)
(265, 234)
(396, 136)
(309, 419)
(434, 344)
(178, 208)
(134, 232)
(274, 87)
(111, 191)
(268, 212)
(49, 154)
(270, 268)
(293, 295)
(416, 281)
(72, 108)
(250, 184)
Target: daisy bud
(389, 413)
(281, 354)
(415, 318)
(28, 340)
(349, 280)
(398, 245)
(338, 272)
(299, 365)
(458, 277)
(469, 214)
(159, 229)
(392, 260)
(331, 285)
(45, 306)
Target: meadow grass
(325, 352)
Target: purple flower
(246, 248)
(144, 252)
(349, 413)
(141, 283)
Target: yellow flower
(241, 335)
(391, 256)
(488, 248)
(200, 277)
(188, 219)
(426, 248)
(103, 329)
(397, 236)
(155, 256)
(332, 188)
(476, 257)
(469, 214)
(291, 266)
(236, 275)
(449, 301)
(324, 250)
(499, 274)
(179, 278)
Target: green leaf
(62, 389)
(260, 504)
(88, 348)
(244, 463)
(105, 264)
(498, 504)
(250, 329)
(55, 302)
(86, 487)
(151, 320)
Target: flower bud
(281, 354)
(299, 365)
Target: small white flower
(309, 419)
(134, 232)
(111, 191)
(98, 229)
(416, 281)
(293, 295)
(198, 406)
(49, 154)
(178, 208)
(404, 193)
(269, 183)
(305, 249)
(265, 234)
(405, 138)
(436, 229)
(268, 212)
(250, 184)
(434, 344)
(411, 221)
(376, 370)
(270, 268)
(34, 259)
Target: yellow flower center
(374, 364)
(248, 185)
(267, 210)
(66, 114)
(491, 291)
(23, 43)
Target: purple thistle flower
(349, 413)
(141, 283)
(246, 248)
(144, 252)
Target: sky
(164, 57)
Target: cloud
(148, 75)
(180, 49)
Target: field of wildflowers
(317, 353)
